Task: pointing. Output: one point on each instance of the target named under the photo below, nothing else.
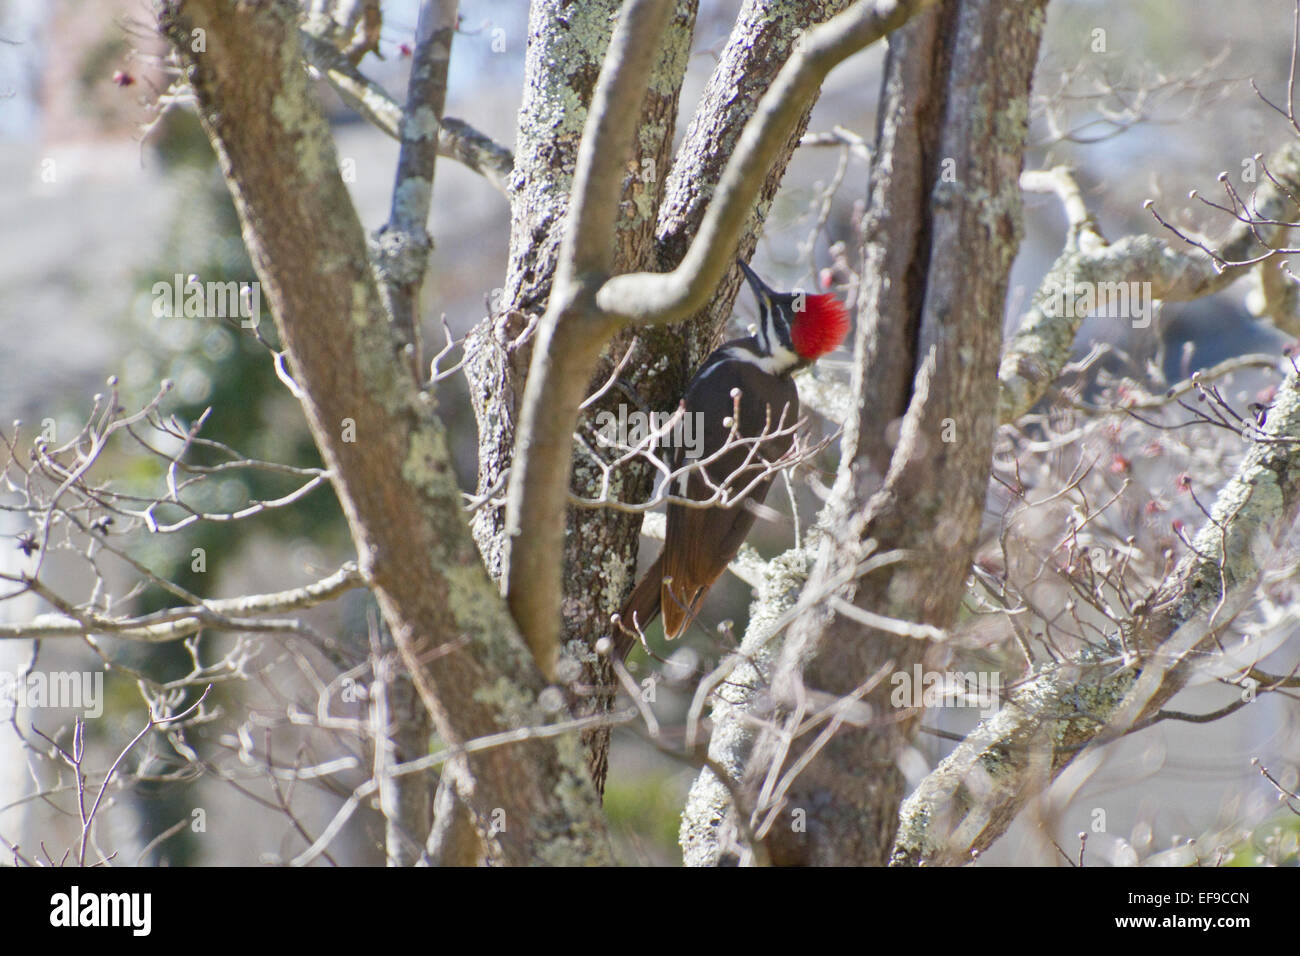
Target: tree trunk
(376, 429)
(661, 210)
(953, 147)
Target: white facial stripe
(780, 360)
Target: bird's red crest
(820, 326)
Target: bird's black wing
(699, 543)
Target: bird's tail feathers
(640, 610)
(681, 607)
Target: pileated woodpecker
(794, 330)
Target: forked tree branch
(587, 307)
(457, 139)
(386, 449)
(573, 335)
(647, 298)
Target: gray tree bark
(664, 201)
(933, 306)
(567, 44)
(375, 427)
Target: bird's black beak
(761, 291)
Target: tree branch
(941, 295)
(387, 452)
(649, 298)
(586, 308)
(761, 41)
(1041, 345)
(174, 623)
(457, 139)
(403, 244)
(970, 799)
(573, 334)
